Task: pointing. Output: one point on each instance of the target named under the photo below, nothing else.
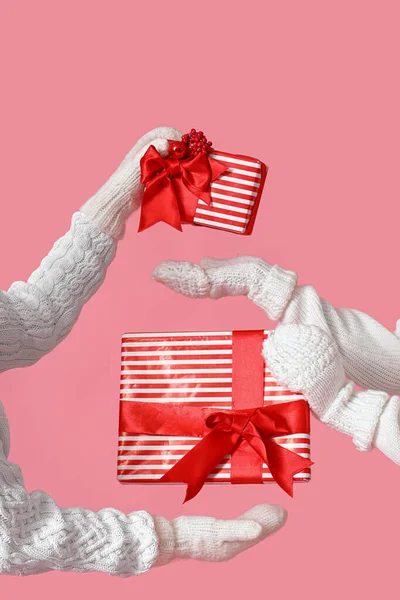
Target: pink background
(310, 88)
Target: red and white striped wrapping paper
(235, 195)
(190, 369)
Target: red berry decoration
(196, 142)
(178, 149)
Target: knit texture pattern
(37, 315)
(38, 536)
(305, 358)
(370, 352)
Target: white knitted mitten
(269, 287)
(122, 193)
(215, 540)
(306, 359)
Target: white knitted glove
(215, 540)
(122, 193)
(370, 352)
(306, 359)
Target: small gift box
(203, 408)
(198, 185)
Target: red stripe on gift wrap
(150, 362)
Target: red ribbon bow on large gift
(173, 187)
(257, 427)
(229, 430)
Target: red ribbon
(173, 187)
(257, 427)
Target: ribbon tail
(283, 464)
(194, 468)
(160, 204)
(217, 168)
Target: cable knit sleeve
(35, 316)
(370, 352)
(37, 536)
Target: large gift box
(215, 189)
(203, 408)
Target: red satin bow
(257, 427)
(173, 187)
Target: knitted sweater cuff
(108, 211)
(166, 540)
(357, 414)
(275, 292)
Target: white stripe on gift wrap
(210, 213)
(237, 209)
(183, 334)
(176, 352)
(238, 180)
(188, 447)
(147, 458)
(164, 379)
(137, 438)
(165, 468)
(243, 172)
(230, 188)
(220, 225)
(176, 371)
(155, 476)
(215, 361)
(232, 198)
(180, 400)
(172, 390)
(236, 161)
(177, 380)
(204, 400)
(179, 343)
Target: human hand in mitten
(122, 193)
(216, 540)
(307, 359)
